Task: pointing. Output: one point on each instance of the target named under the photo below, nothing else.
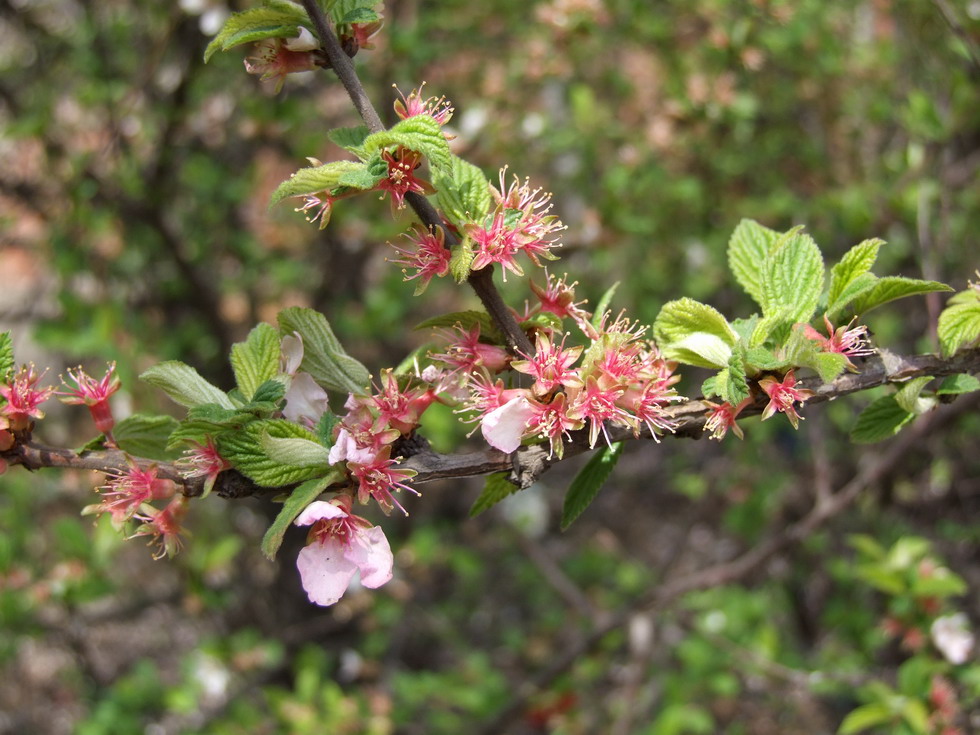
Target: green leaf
(298, 500)
(420, 133)
(146, 436)
(496, 488)
(916, 715)
(881, 420)
(353, 11)
(467, 320)
(6, 354)
(747, 250)
(268, 394)
(856, 263)
(792, 278)
(694, 333)
(296, 452)
(256, 360)
(855, 290)
(958, 384)
(351, 139)
(275, 19)
(864, 717)
(245, 450)
(543, 320)
(801, 351)
(323, 356)
(461, 259)
(462, 192)
(325, 427)
(588, 482)
(733, 388)
(894, 287)
(185, 385)
(603, 304)
(909, 396)
(941, 583)
(328, 177)
(959, 324)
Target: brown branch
(480, 281)
(527, 463)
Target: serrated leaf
(603, 304)
(709, 387)
(146, 436)
(496, 488)
(361, 11)
(6, 354)
(792, 278)
(748, 248)
(244, 450)
(856, 289)
(298, 499)
(894, 287)
(467, 320)
(959, 326)
(268, 394)
(462, 192)
(314, 179)
(461, 259)
(958, 384)
(274, 19)
(761, 358)
(294, 451)
(185, 385)
(856, 262)
(351, 139)
(694, 333)
(420, 133)
(364, 178)
(325, 426)
(735, 389)
(864, 717)
(256, 360)
(882, 419)
(323, 356)
(358, 15)
(588, 482)
(800, 351)
(909, 396)
(828, 365)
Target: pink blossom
(596, 403)
(291, 353)
(550, 365)
(782, 395)
(320, 204)
(401, 407)
(306, 401)
(438, 108)
(379, 478)
(551, 420)
(504, 427)
(359, 36)
(346, 449)
(401, 179)
(339, 545)
(94, 394)
(429, 259)
(163, 526)
(126, 491)
(558, 297)
(203, 460)
(466, 352)
(274, 59)
(23, 398)
(723, 417)
(847, 341)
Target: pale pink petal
(303, 42)
(504, 426)
(305, 399)
(325, 571)
(318, 510)
(370, 551)
(292, 353)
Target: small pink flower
(847, 341)
(359, 36)
(23, 398)
(379, 478)
(438, 108)
(94, 394)
(401, 407)
(597, 404)
(163, 526)
(126, 491)
(550, 365)
(339, 545)
(401, 179)
(504, 427)
(723, 417)
(552, 421)
(203, 460)
(558, 297)
(782, 396)
(318, 206)
(274, 59)
(467, 353)
(429, 259)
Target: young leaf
(910, 399)
(792, 278)
(865, 717)
(420, 133)
(146, 436)
(693, 333)
(323, 356)
(496, 488)
(588, 482)
(256, 360)
(857, 288)
(6, 354)
(856, 263)
(274, 19)
(269, 392)
(295, 451)
(245, 451)
(351, 139)
(958, 384)
(604, 300)
(298, 499)
(959, 322)
(733, 388)
(894, 287)
(462, 257)
(185, 385)
(748, 248)
(315, 179)
(881, 420)
(462, 192)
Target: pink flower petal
(305, 399)
(371, 553)
(325, 570)
(504, 426)
(318, 510)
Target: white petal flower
(504, 426)
(953, 638)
